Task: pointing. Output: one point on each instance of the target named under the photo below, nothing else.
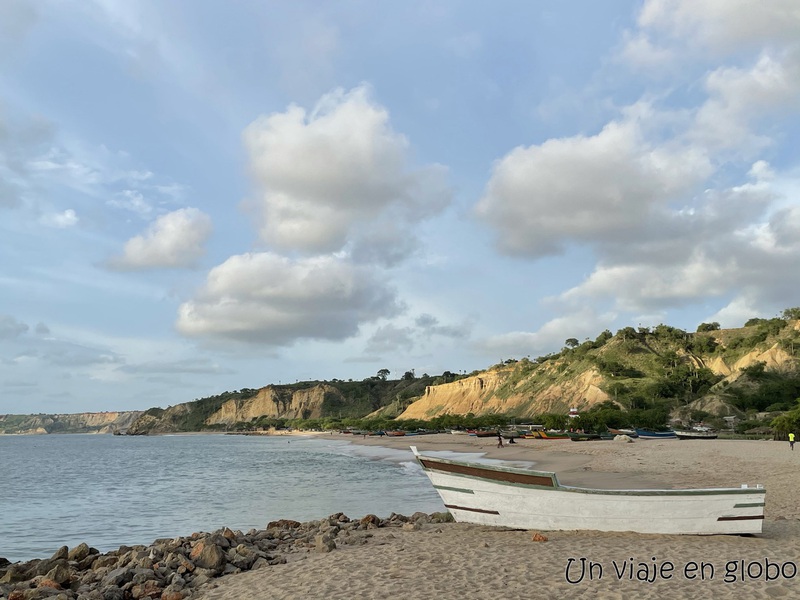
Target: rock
(45, 566)
(13, 574)
(4, 562)
(62, 552)
(79, 552)
(622, 438)
(16, 595)
(59, 573)
(538, 537)
(208, 556)
(283, 524)
(370, 521)
(113, 593)
(50, 583)
(104, 561)
(172, 595)
(148, 589)
(415, 526)
(117, 577)
(324, 543)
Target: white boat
(696, 434)
(527, 499)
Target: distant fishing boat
(629, 432)
(646, 434)
(696, 434)
(523, 499)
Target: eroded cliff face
(491, 392)
(774, 359)
(97, 422)
(278, 402)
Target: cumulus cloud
(174, 240)
(740, 98)
(587, 189)
(321, 175)
(675, 197)
(722, 25)
(274, 300)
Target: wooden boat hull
(656, 435)
(519, 498)
(543, 435)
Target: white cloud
(323, 174)
(273, 300)
(580, 323)
(723, 25)
(62, 220)
(133, 201)
(741, 98)
(174, 240)
(588, 189)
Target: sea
(109, 491)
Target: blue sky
(204, 196)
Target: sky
(200, 196)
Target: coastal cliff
(495, 391)
(279, 402)
(95, 422)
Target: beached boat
(646, 434)
(629, 432)
(696, 434)
(551, 435)
(483, 434)
(526, 499)
(584, 437)
(396, 433)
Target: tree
(383, 374)
(713, 326)
(791, 314)
(571, 343)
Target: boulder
(370, 522)
(79, 552)
(208, 556)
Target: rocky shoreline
(174, 569)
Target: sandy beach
(461, 561)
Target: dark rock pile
(172, 569)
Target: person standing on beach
(499, 440)
(791, 441)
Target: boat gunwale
(557, 486)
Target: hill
(719, 372)
(646, 374)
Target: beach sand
(462, 561)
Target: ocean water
(112, 490)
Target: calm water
(111, 490)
